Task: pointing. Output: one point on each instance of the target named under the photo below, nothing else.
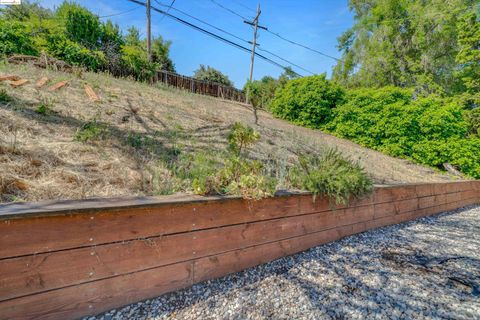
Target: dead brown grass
(145, 126)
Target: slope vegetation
(61, 144)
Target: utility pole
(255, 25)
(149, 32)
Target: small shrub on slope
(330, 175)
(4, 97)
(241, 137)
(90, 131)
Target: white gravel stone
(424, 269)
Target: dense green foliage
(207, 73)
(74, 34)
(468, 56)
(307, 101)
(422, 44)
(240, 137)
(14, 38)
(430, 130)
(330, 175)
(261, 92)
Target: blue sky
(315, 23)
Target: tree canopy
(423, 44)
(208, 73)
(76, 35)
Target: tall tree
(403, 43)
(469, 56)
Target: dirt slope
(142, 127)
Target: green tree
(402, 43)
(160, 54)
(14, 38)
(468, 56)
(81, 25)
(210, 74)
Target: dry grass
(142, 128)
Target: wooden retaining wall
(63, 260)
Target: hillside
(46, 153)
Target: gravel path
(425, 269)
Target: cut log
(91, 94)
(10, 77)
(18, 83)
(41, 82)
(57, 85)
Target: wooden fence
(199, 86)
(64, 260)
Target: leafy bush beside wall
(307, 101)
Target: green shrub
(241, 137)
(459, 152)
(235, 176)
(363, 117)
(425, 129)
(90, 131)
(4, 97)
(307, 101)
(135, 61)
(74, 53)
(211, 74)
(330, 175)
(81, 26)
(14, 39)
(42, 109)
(473, 120)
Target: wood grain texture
(57, 86)
(80, 263)
(94, 297)
(41, 82)
(51, 233)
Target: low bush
(462, 153)
(430, 130)
(74, 53)
(14, 39)
(307, 101)
(473, 120)
(43, 109)
(90, 131)
(136, 62)
(4, 97)
(241, 137)
(330, 175)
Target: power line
(243, 5)
(119, 13)
(277, 34)
(229, 10)
(302, 45)
(216, 36)
(233, 35)
(204, 22)
(168, 9)
(285, 60)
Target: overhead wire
(119, 13)
(216, 36)
(168, 9)
(204, 22)
(285, 60)
(228, 9)
(238, 38)
(277, 34)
